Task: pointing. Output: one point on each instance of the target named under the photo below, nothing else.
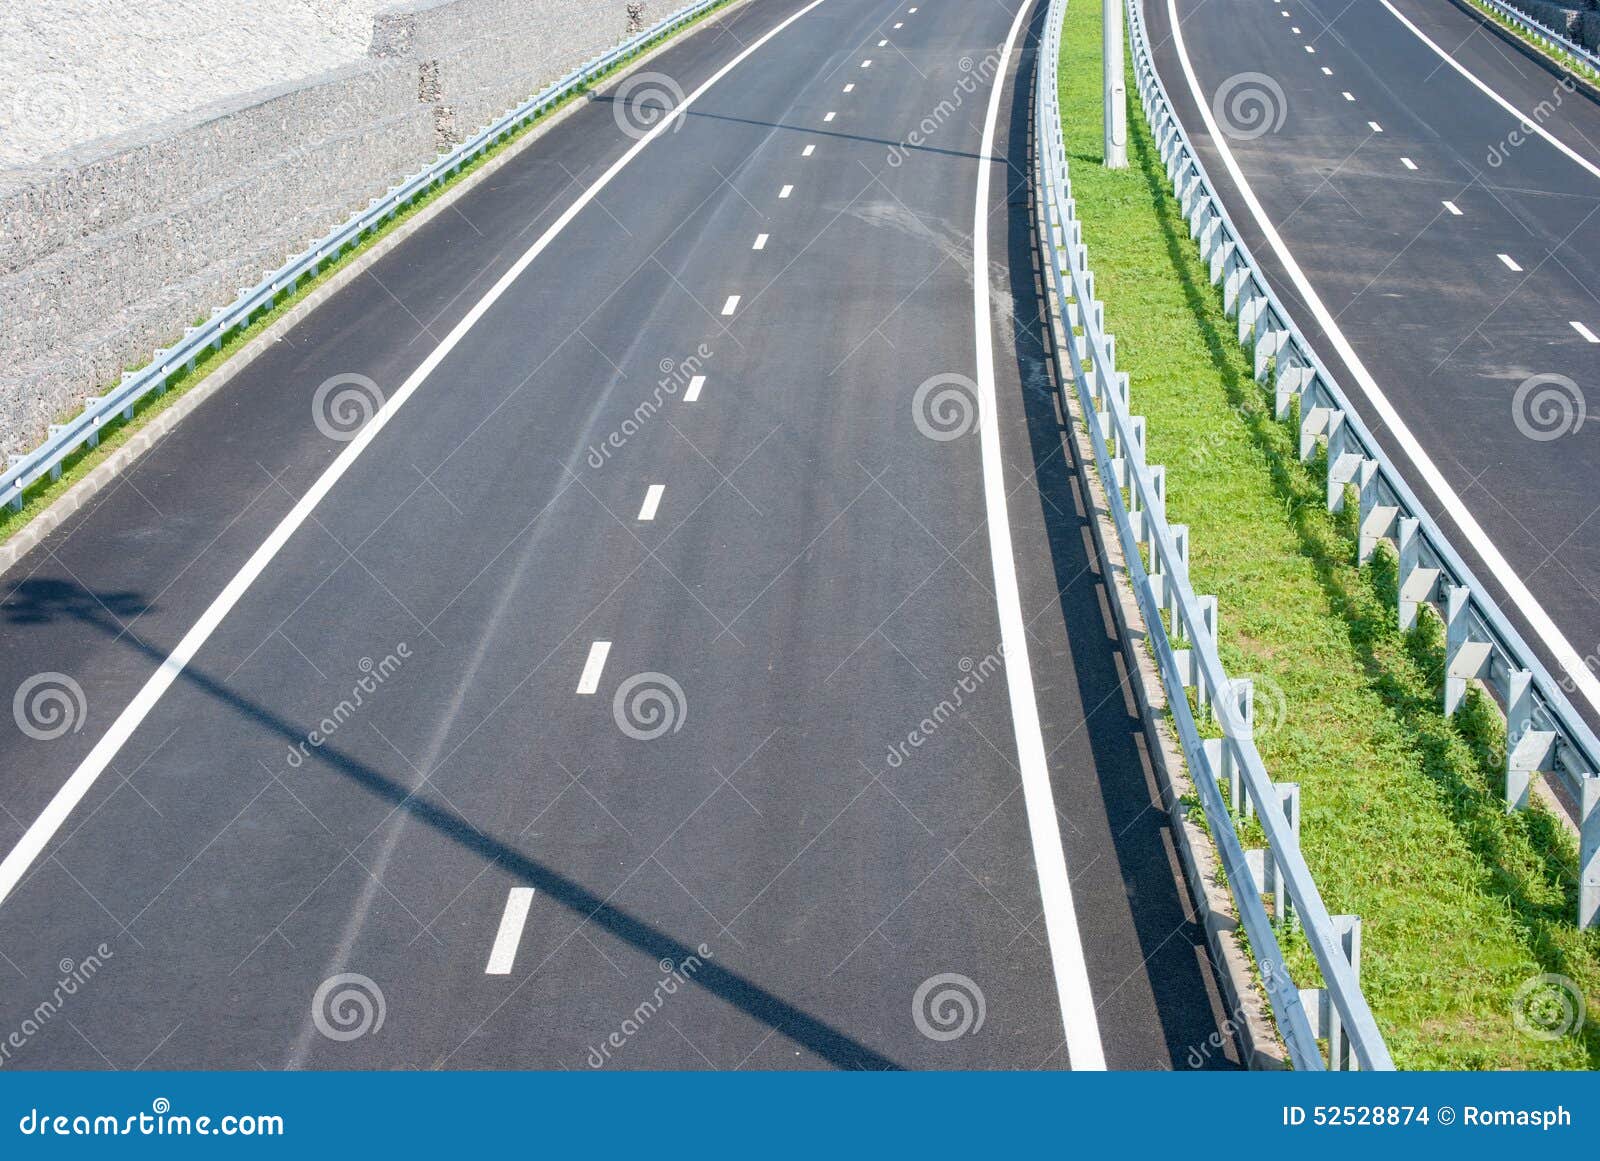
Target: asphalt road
(398, 742)
(1458, 254)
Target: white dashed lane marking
(652, 501)
(1588, 335)
(731, 305)
(761, 242)
(693, 393)
(1453, 208)
(504, 953)
(1511, 263)
(592, 668)
(786, 191)
(808, 151)
(1408, 163)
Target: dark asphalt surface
(816, 581)
(1448, 330)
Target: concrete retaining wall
(113, 248)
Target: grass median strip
(1463, 907)
(116, 432)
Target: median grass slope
(1403, 821)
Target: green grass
(118, 431)
(1403, 823)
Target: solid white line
(731, 305)
(1566, 657)
(1528, 123)
(652, 501)
(504, 952)
(589, 681)
(1375, 127)
(692, 395)
(786, 191)
(761, 242)
(94, 764)
(1408, 163)
(1084, 1050)
(1588, 335)
(1511, 263)
(808, 151)
(1452, 207)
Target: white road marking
(589, 680)
(1326, 71)
(1511, 263)
(829, 116)
(652, 501)
(1375, 127)
(808, 151)
(1453, 208)
(786, 191)
(731, 305)
(1526, 123)
(850, 87)
(899, 24)
(504, 952)
(1568, 658)
(1084, 1050)
(1310, 49)
(94, 764)
(692, 395)
(1588, 335)
(761, 242)
(867, 64)
(881, 43)
(910, 9)
(1349, 96)
(1408, 163)
(1295, 30)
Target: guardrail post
(1464, 657)
(1315, 421)
(1239, 724)
(1527, 749)
(1415, 583)
(1263, 860)
(1589, 851)
(1376, 519)
(1321, 1011)
(1342, 462)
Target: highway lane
(1456, 253)
(679, 453)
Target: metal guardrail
(1543, 34)
(84, 430)
(1544, 732)
(1182, 634)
